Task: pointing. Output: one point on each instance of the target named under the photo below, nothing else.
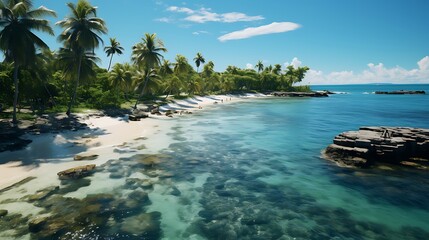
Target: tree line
(32, 75)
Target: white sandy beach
(110, 138)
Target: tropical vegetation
(42, 80)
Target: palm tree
(208, 69)
(147, 55)
(193, 85)
(259, 66)
(181, 65)
(277, 69)
(17, 41)
(172, 85)
(300, 73)
(118, 77)
(150, 80)
(80, 35)
(67, 62)
(42, 68)
(165, 68)
(198, 60)
(114, 48)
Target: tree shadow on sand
(59, 137)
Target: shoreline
(107, 137)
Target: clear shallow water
(252, 170)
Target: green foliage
(19, 44)
(52, 81)
(6, 86)
(304, 88)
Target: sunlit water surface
(252, 170)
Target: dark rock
(85, 157)
(77, 172)
(145, 224)
(148, 160)
(3, 212)
(300, 94)
(42, 194)
(37, 224)
(133, 118)
(370, 145)
(139, 196)
(169, 113)
(175, 192)
(327, 92)
(400, 92)
(137, 115)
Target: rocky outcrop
(400, 92)
(300, 94)
(77, 172)
(137, 115)
(371, 145)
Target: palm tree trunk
(141, 94)
(168, 94)
(15, 98)
(110, 63)
(49, 93)
(75, 88)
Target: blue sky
(356, 41)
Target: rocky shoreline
(300, 94)
(400, 92)
(370, 146)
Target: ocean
(253, 170)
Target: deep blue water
(253, 170)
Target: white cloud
(295, 63)
(375, 73)
(200, 32)
(249, 66)
(275, 27)
(424, 63)
(238, 17)
(203, 15)
(180, 10)
(164, 20)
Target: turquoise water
(252, 170)
(268, 180)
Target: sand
(110, 138)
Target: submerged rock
(134, 183)
(77, 172)
(42, 194)
(37, 224)
(85, 157)
(3, 212)
(147, 224)
(371, 145)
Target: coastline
(247, 148)
(107, 137)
